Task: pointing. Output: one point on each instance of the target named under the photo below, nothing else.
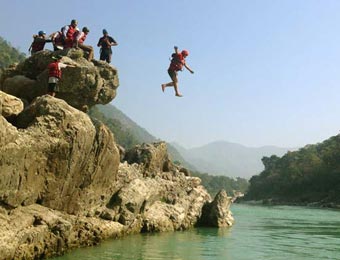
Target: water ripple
(270, 233)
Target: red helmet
(185, 53)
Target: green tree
(8, 54)
(122, 135)
(311, 174)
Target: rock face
(57, 158)
(62, 184)
(87, 84)
(35, 232)
(166, 201)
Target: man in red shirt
(177, 64)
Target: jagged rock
(88, 84)
(217, 213)
(167, 201)
(58, 158)
(10, 105)
(154, 157)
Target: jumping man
(177, 63)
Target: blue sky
(266, 71)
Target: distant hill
(219, 158)
(229, 159)
(311, 174)
(8, 54)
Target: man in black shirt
(105, 43)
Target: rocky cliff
(64, 183)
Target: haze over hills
(229, 159)
(219, 158)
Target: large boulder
(10, 105)
(57, 158)
(83, 86)
(217, 213)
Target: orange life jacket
(81, 39)
(53, 70)
(177, 62)
(69, 37)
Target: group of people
(70, 36)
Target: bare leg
(173, 83)
(176, 89)
(88, 49)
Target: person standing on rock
(54, 74)
(80, 37)
(177, 64)
(68, 32)
(105, 43)
(38, 43)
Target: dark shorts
(53, 87)
(105, 54)
(172, 74)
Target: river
(259, 232)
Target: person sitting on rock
(38, 43)
(80, 37)
(57, 40)
(105, 43)
(68, 32)
(54, 74)
(177, 64)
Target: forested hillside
(215, 183)
(140, 134)
(311, 174)
(9, 54)
(123, 135)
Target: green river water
(259, 232)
